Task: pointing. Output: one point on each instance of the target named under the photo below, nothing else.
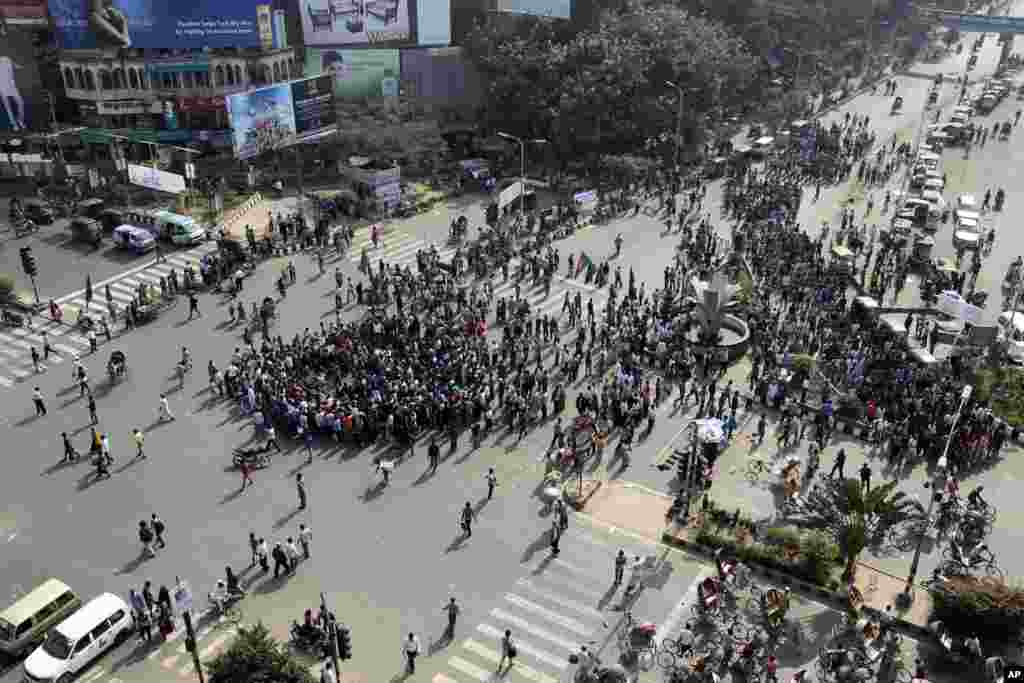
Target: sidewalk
(639, 510)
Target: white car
(71, 645)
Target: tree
(857, 519)
(602, 90)
(255, 657)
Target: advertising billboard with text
(375, 23)
(159, 24)
(440, 74)
(357, 73)
(281, 115)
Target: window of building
(219, 75)
(90, 80)
(187, 79)
(106, 82)
(69, 78)
(238, 75)
(143, 80)
(277, 72)
(133, 79)
(118, 79)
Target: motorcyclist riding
(975, 501)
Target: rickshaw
(117, 365)
(12, 319)
(897, 105)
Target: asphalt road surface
(387, 558)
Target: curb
(830, 598)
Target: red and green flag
(584, 262)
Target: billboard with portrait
(281, 115)
(357, 73)
(561, 9)
(21, 88)
(156, 24)
(375, 23)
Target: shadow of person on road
(284, 520)
(534, 547)
(458, 543)
(60, 465)
(230, 496)
(373, 492)
(427, 475)
(548, 559)
(607, 597)
(134, 564)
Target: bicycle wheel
(666, 656)
(994, 571)
(669, 645)
(645, 658)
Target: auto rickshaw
(897, 105)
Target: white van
(69, 647)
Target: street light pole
(907, 597)
(679, 121)
(522, 165)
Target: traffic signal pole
(190, 645)
(332, 635)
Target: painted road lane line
(472, 670)
(567, 604)
(525, 647)
(540, 633)
(564, 622)
(484, 652)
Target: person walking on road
(280, 560)
(37, 400)
(193, 306)
(492, 482)
(453, 613)
(272, 438)
(300, 487)
(165, 409)
(146, 538)
(556, 536)
(839, 465)
(433, 454)
(467, 518)
(140, 440)
(254, 548)
(47, 347)
(865, 478)
(508, 651)
(243, 467)
(327, 674)
(93, 419)
(411, 648)
(620, 567)
(158, 529)
(70, 454)
(305, 538)
(36, 361)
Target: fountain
(718, 329)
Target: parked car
(86, 230)
(101, 624)
(38, 212)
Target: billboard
(281, 115)
(375, 23)
(440, 73)
(91, 24)
(155, 179)
(24, 11)
(561, 9)
(21, 88)
(357, 73)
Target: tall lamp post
(907, 596)
(679, 121)
(522, 164)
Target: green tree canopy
(603, 89)
(857, 519)
(255, 657)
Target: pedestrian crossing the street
(399, 248)
(16, 344)
(564, 602)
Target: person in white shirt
(165, 409)
(411, 649)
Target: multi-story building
(177, 94)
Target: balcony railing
(200, 92)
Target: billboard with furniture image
(375, 23)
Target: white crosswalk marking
(16, 344)
(551, 612)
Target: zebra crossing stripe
(523, 670)
(525, 647)
(92, 675)
(564, 622)
(527, 627)
(65, 349)
(441, 678)
(471, 670)
(573, 585)
(147, 277)
(562, 602)
(15, 342)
